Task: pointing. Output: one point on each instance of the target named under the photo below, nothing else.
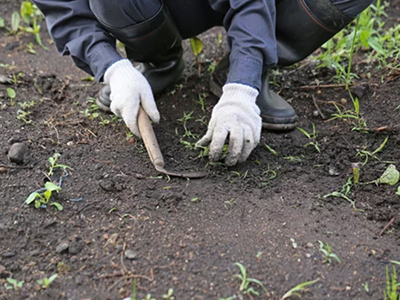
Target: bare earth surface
(268, 213)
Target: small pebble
(17, 152)
(315, 113)
(131, 254)
(62, 247)
(75, 247)
(8, 254)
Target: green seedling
(11, 94)
(23, 116)
(133, 295)
(312, 136)
(272, 151)
(367, 154)
(169, 295)
(15, 21)
(2, 24)
(344, 193)
(13, 284)
(327, 252)
(230, 203)
(197, 47)
(186, 117)
(53, 164)
(45, 282)
(391, 176)
(202, 97)
(391, 285)
(42, 199)
(149, 297)
(398, 191)
(31, 15)
(245, 287)
(298, 288)
(30, 48)
(366, 287)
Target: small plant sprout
(312, 136)
(366, 287)
(13, 284)
(197, 47)
(366, 154)
(398, 191)
(53, 164)
(45, 282)
(186, 117)
(273, 152)
(344, 193)
(391, 285)
(327, 252)
(391, 176)
(169, 295)
(298, 288)
(42, 198)
(202, 97)
(11, 94)
(245, 282)
(149, 297)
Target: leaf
(390, 176)
(47, 195)
(32, 197)
(58, 206)
(15, 21)
(398, 191)
(26, 11)
(11, 93)
(54, 276)
(197, 45)
(299, 287)
(2, 25)
(50, 186)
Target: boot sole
(217, 91)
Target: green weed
(298, 288)
(391, 285)
(344, 193)
(45, 282)
(197, 47)
(11, 94)
(326, 250)
(169, 295)
(245, 287)
(13, 284)
(43, 197)
(312, 136)
(363, 153)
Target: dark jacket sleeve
(250, 26)
(77, 33)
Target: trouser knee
(118, 15)
(144, 27)
(351, 8)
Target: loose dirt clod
(17, 153)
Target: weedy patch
(326, 250)
(391, 177)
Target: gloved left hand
(237, 115)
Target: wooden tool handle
(149, 138)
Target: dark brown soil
(187, 235)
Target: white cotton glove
(237, 115)
(129, 89)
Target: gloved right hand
(130, 89)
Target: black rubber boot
(302, 26)
(156, 45)
(276, 113)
